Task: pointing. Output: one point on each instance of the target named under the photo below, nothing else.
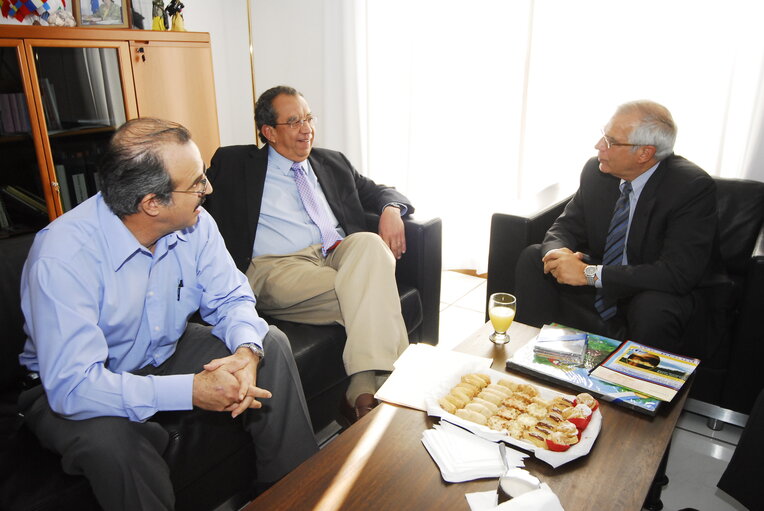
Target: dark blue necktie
(614, 245)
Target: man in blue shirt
(107, 292)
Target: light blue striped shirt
(284, 226)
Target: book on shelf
(5, 222)
(63, 187)
(646, 370)
(558, 342)
(80, 187)
(576, 376)
(6, 114)
(22, 122)
(26, 197)
(49, 104)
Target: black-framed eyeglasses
(201, 186)
(293, 125)
(609, 142)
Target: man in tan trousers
(293, 219)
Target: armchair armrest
(510, 234)
(420, 267)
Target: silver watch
(590, 272)
(257, 350)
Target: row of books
(77, 176)
(14, 115)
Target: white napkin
(462, 456)
(423, 367)
(542, 499)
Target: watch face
(590, 271)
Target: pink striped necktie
(330, 238)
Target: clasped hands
(566, 266)
(228, 384)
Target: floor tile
(454, 285)
(695, 465)
(475, 299)
(456, 324)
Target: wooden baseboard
(472, 273)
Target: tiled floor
(698, 454)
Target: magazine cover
(577, 377)
(645, 369)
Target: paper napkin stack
(462, 456)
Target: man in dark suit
(638, 236)
(292, 217)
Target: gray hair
(265, 114)
(133, 167)
(655, 126)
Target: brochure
(561, 343)
(646, 370)
(576, 376)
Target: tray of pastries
(555, 427)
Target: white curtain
(483, 106)
(491, 106)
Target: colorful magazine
(646, 370)
(577, 377)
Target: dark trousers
(651, 317)
(123, 459)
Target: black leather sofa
(730, 331)
(210, 456)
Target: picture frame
(101, 13)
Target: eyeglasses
(293, 125)
(609, 142)
(201, 185)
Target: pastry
(472, 416)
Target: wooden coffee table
(380, 463)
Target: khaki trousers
(353, 286)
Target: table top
(380, 462)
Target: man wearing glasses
(107, 291)
(638, 236)
(292, 217)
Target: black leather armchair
(210, 456)
(730, 326)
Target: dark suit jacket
(673, 234)
(237, 174)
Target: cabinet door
(84, 93)
(26, 203)
(174, 81)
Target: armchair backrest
(13, 254)
(740, 206)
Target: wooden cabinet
(63, 92)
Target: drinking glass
(501, 310)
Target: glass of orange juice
(501, 310)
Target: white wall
(227, 24)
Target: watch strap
(257, 350)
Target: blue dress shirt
(99, 305)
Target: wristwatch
(257, 350)
(590, 272)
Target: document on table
(420, 369)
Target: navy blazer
(237, 174)
(673, 236)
